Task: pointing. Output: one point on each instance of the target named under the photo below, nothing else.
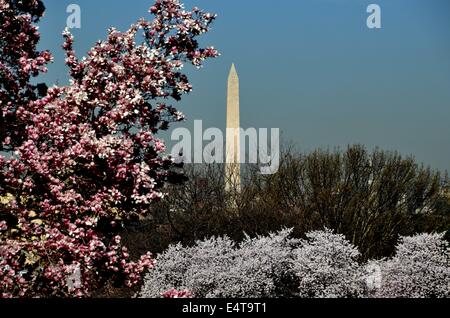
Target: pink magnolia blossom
(87, 157)
(19, 62)
(173, 293)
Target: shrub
(327, 267)
(324, 265)
(262, 267)
(420, 269)
(212, 263)
(218, 267)
(189, 268)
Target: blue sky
(309, 67)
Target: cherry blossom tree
(221, 268)
(324, 265)
(89, 157)
(327, 267)
(419, 269)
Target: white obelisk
(233, 151)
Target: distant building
(233, 145)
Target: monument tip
(233, 71)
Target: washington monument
(233, 142)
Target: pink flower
(173, 293)
(3, 226)
(88, 151)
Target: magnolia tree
(86, 157)
(19, 62)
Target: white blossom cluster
(420, 269)
(218, 267)
(327, 267)
(324, 265)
